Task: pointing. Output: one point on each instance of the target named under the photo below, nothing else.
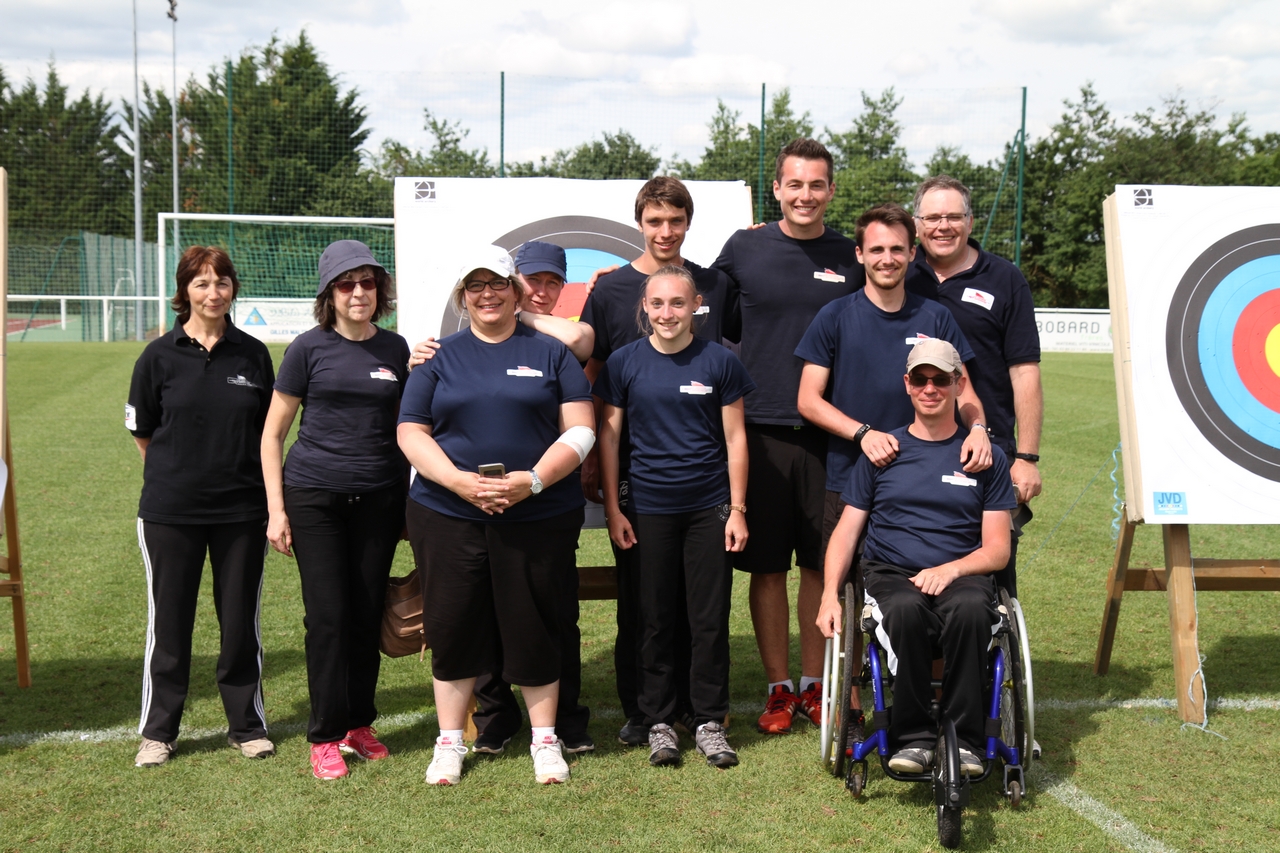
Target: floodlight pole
(137, 183)
(173, 117)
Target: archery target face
(437, 219)
(1202, 275)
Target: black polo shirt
(992, 303)
(203, 411)
(782, 284)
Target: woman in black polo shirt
(339, 501)
(196, 406)
(495, 547)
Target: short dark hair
(886, 214)
(664, 190)
(326, 315)
(667, 271)
(942, 182)
(192, 263)
(805, 149)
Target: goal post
(274, 256)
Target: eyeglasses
(347, 284)
(475, 286)
(941, 380)
(933, 220)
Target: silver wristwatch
(537, 482)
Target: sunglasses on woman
(347, 284)
(941, 380)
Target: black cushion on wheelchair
(880, 719)
(992, 727)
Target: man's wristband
(1027, 457)
(860, 434)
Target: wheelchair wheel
(830, 675)
(946, 776)
(1029, 702)
(850, 669)
(1013, 715)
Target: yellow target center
(1272, 349)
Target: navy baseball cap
(343, 255)
(535, 256)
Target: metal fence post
(502, 124)
(1022, 157)
(231, 171)
(760, 179)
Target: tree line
(298, 144)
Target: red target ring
(1259, 368)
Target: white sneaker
(446, 766)
(548, 762)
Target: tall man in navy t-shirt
(664, 212)
(785, 272)
(934, 535)
(992, 303)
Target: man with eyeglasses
(992, 303)
(934, 535)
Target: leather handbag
(402, 630)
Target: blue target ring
(1200, 337)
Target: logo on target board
(1222, 337)
(424, 190)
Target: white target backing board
(439, 219)
(1194, 277)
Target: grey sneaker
(711, 742)
(153, 753)
(549, 766)
(256, 748)
(664, 746)
(911, 761)
(970, 764)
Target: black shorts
(786, 487)
(490, 593)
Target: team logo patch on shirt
(829, 275)
(241, 381)
(523, 371)
(697, 389)
(978, 297)
(383, 373)
(703, 309)
(130, 417)
(959, 479)
(920, 336)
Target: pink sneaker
(362, 743)
(326, 761)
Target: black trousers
(174, 558)
(958, 622)
(491, 592)
(344, 544)
(687, 547)
(627, 666)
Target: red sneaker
(362, 743)
(811, 703)
(326, 761)
(778, 711)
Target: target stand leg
(1181, 585)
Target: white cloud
(912, 64)
(718, 74)
(1099, 21)
(1247, 40)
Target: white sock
(789, 684)
(806, 680)
(449, 737)
(544, 734)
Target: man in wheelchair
(934, 535)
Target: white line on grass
(1256, 703)
(1111, 822)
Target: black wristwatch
(1027, 457)
(858, 436)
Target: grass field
(1115, 775)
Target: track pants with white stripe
(174, 556)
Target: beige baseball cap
(936, 352)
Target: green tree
(447, 158)
(871, 164)
(619, 155)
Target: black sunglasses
(941, 380)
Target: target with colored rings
(1223, 344)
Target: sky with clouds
(656, 69)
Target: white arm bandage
(580, 438)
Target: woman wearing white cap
(339, 501)
(493, 544)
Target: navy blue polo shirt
(203, 411)
(350, 393)
(992, 303)
(782, 283)
(924, 510)
(489, 403)
(866, 350)
(673, 404)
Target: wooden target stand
(1182, 575)
(11, 559)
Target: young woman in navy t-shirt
(339, 501)
(682, 400)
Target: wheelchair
(1009, 699)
